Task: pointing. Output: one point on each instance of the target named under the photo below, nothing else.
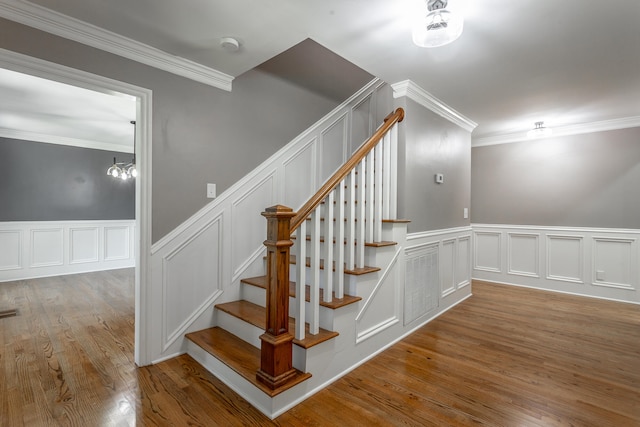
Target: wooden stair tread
(239, 355)
(354, 272)
(261, 282)
(257, 316)
(370, 244)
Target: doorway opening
(141, 228)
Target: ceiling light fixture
(441, 25)
(230, 44)
(539, 131)
(124, 170)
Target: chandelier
(124, 170)
(441, 25)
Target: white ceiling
(35, 109)
(568, 62)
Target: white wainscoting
(181, 262)
(32, 249)
(602, 263)
(438, 271)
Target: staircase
(294, 324)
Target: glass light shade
(133, 171)
(124, 176)
(114, 170)
(439, 27)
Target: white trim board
(62, 140)
(582, 128)
(61, 25)
(416, 93)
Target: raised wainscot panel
(298, 175)
(47, 247)
(10, 250)
(333, 147)
(191, 276)
(615, 262)
(248, 226)
(463, 262)
(116, 243)
(83, 245)
(487, 251)
(524, 254)
(447, 267)
(361, 123)
(565, 258)
(382, 309)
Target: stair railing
(362, 191)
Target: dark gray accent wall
(431, 144)
(589, 180)
(201, 134)
(48, 182)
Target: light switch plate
(211, 191)
(439, 178)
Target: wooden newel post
(276, 367)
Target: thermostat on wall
(439, 178)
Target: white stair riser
(258, 296)
(238, 327)
(253, 294)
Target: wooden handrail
(302, 214)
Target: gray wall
(47, 182)
(200, 134)
(430, 144)
(590, 180)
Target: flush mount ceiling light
(442, 23)
(539, 131)
(230, 44)
(124, 170)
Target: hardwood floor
(507, 356)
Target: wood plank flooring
(507, 356)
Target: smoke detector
(229, 44)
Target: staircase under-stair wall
(352, 281)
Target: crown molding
(416, 93)
(63, 140)
(600, 126)
(70, 28)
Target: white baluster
(328, 247)
(386, 167)
(370, 198)
(351, 221)
(377, 230)
(314, 283)
(393, 172)
(340, 241)
(360, 236)
(301, 273)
